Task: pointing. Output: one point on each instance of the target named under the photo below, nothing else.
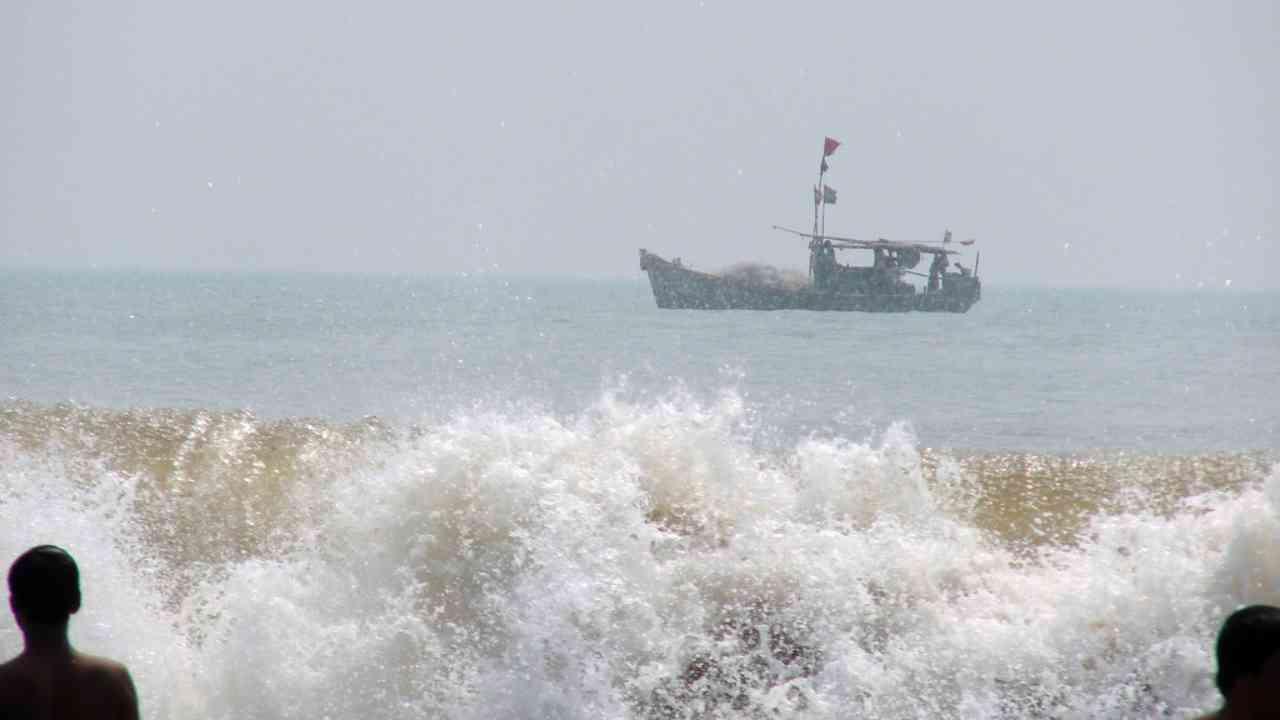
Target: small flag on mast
(828, 195)
(829, 146)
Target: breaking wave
(638, 560)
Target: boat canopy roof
(847, 243)
(882, 244)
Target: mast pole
(822, 188)
(817, 201)
(820, 196)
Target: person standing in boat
(936, 270)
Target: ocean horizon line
(1217, 288)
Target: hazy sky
(1114, 143)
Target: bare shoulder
(100, 665)
(91, 686)
(14, 673)
(16, 685)
(10, 667)
(110, 680)
(7, 667)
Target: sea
(475, 496)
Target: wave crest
(637, 560)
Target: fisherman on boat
(936, 271)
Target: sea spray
(766, 275)
(125, 614)
(641, 559)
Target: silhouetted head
(1248, 639)
(44, 585)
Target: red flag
(829, 146)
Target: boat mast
(829, 146)
(823, 189)
(817, 202)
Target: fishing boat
(884, 285)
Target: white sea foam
(642, 559)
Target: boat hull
(677, 287)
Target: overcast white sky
(1114, 143)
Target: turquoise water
(1027, 369)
